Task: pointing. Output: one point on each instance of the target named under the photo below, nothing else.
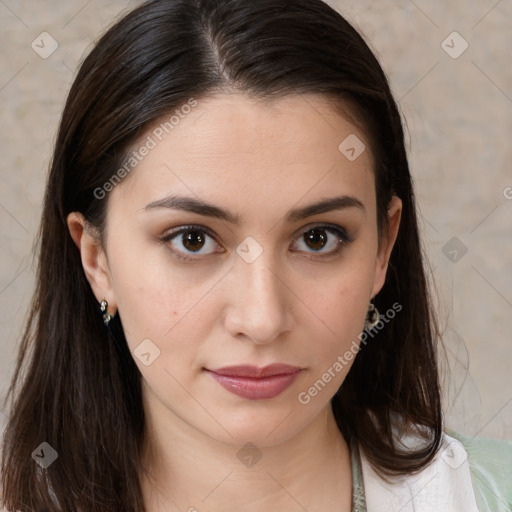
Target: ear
(94, 259)
(388, 241)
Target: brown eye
(315, 238)
(193, 240)
(190, 241)
(324, 240)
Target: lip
(256, 383)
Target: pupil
(193, 240)
(316, 237)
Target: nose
(259, 301)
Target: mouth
(255, 383)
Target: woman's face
(216, 256)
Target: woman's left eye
(196, 240)
(320, 237)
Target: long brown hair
(76, 385)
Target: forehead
(251, 152)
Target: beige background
(459, 116)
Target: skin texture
(295, 303)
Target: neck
(188, 470)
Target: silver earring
(372, 317)
(106, 315)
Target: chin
(261, 427)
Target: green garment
(490, 464)
(358, 496)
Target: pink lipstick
(256, 383)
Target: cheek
(333, 341)
(338, 295)
(337, 305)
(158, 300)
(165, 323)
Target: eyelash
(331, 228)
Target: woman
(231, 309)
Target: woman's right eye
(189, 241)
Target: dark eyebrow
(323, 206)
(191, 204)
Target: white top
(443, 486)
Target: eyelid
(328, 226)
(189, 227)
